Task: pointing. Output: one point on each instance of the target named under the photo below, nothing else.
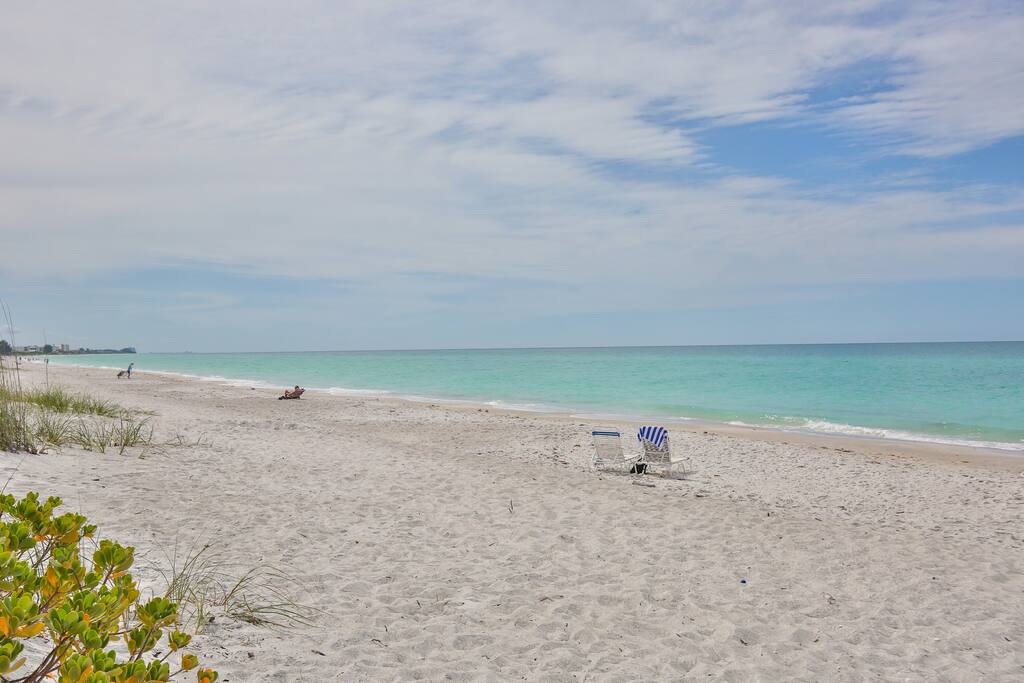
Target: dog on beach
(121, 374)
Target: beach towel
(652, 435)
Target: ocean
(968, 393)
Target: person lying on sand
(294, 393)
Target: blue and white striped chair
(657, 451)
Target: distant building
(66, 348)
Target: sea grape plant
(82, 611)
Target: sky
(319, 175)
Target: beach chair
(608, 451)
(657, 449)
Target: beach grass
(59, 400)
(100, 434)
(54, 429)
(204, 585)
(15, 428)
(15, 434)
(33, 419)
(130, 432)
(95, 436)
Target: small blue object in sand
(743, 580)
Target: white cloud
(959, 86)
(374, 140)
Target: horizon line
(600, 346)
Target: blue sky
(402, 175)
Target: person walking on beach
(130, 366)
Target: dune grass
(97, 434)
(205, 586)
(34, 419)
(59, 400)
(16, 433)
(54, 429)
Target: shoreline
(940, 451)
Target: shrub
(76, 605)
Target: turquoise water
(950, 392)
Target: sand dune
(457, 543)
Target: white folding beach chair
(608, 451)
(657, 449)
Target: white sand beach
(464, 543)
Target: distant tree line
(6, 349)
